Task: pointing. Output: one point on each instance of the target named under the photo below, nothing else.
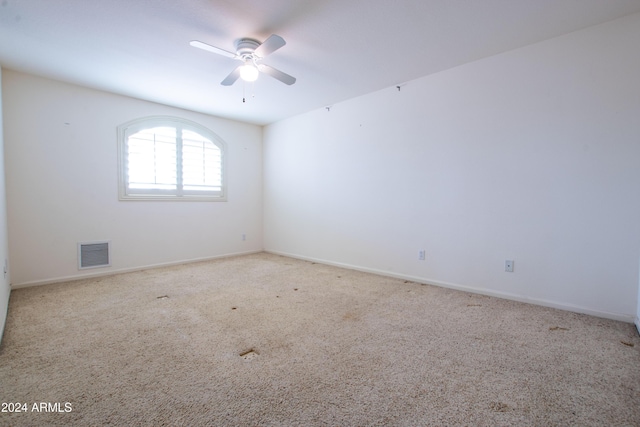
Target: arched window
(167, 158)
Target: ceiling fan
(251, 52)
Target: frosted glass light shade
(249, 73)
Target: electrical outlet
(421, 255)
(508, 266)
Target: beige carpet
(269, 340)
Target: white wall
(531, 155)
(637, 322)
(5, 287)
(61, 155)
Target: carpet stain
(558, 328)
(628, 344)
(350, 316)
(163, 297)
(249, 354)
(474, 305)
(498, 407)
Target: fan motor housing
(246, 47)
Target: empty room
(320, 212)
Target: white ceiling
(337, 49)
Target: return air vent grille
(93, 254)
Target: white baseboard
(111, 272)
(637, 322)
(481, 291)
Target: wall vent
(93, 255)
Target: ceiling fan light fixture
(251, 52)
(249, 72)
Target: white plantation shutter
(169, 158)
(201, 164)
(152, 161)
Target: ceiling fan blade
(277, 74)
(270, 45)
(209, 48)
(232, 77)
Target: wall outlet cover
(508, 266)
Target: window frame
(130, 128)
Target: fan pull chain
(244, 96)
